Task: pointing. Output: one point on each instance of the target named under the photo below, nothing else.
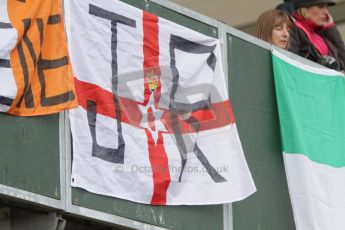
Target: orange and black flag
(35, 70)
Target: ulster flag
(154, 123)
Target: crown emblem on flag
(152, 80)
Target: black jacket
(334, 36)
(301, 45)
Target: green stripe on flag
(311, 112)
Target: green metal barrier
(173, 217)
(254, 103)
(30, 154)
(174, 16)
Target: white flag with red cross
(154, 123)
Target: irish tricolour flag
(311, 104)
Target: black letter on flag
(182, 44)
(27, 93)
(42, 64)
(103, 153)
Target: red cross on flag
(154, 123)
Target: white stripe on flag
(315, 208)
(313, 69)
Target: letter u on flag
(154, 123)
(35, 72)
(311, 103)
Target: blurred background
(243, 14)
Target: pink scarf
(309, 28)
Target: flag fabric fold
(35, 72)
(312, 120)
(154, 123)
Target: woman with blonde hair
(273, 26)
(314, 35)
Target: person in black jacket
(314, 35)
